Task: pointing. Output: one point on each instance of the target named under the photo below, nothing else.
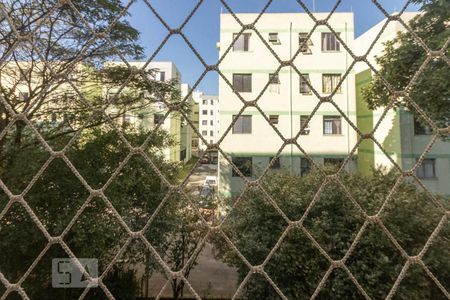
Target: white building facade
(285, 98)
(209, 119)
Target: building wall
(396, 130)
(286, 101)
(210, 104)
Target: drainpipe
(348, 100)
(290, 95)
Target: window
(243, 124)
(427, 169)
(162, 76)
(332, 125)
(274, 79)
(204, 112)
(211, 141)
(303, 120)
(211, 102)
(273, 38)
(305, 166)
(211, 112)
(23, 96)
(204, 122)
(330, 42)
(330, 82)
(211, 122)
(274, 83)
(126, 118)
(273, 119)
(211, 133)
(303, 43)
(244, 165)
(420, 128)
(205, 132)
(276, 162)
(242, 43)
(205, 102)
(337, 162)
(304, 88)
(158, 119)
(242, 83)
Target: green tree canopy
(404, 55)
(298, 266)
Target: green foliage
(334, 221)
(403, 57)
(58, 194)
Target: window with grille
(330, 43)
(204, 132)
(244, 165)
(242, 42)
(243, 124)
(204, 112)
(330, 83)
(427, 169)
(242, 83)
(304, 87)
(275, 162)
(332, 125)
(304, 42)
(273, 119)
(204, 122)
(332, 161)
(273, 38)
(158, 119)
(303, 124)
(305, 166)
(420, 128)
(24, 96)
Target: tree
(58, 194)
(297, 266)
(403, 57)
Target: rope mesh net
(179, 188)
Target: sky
(203, 28)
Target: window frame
(333, 83)
(276, 164)
(246, 43)
(274, 119)
(248, 171)
(240, 86)
(301, 83)
(307, 129)
(332, 118)
(304, 168)
(243, 129)
(301, 38)
(337, 44)
(422, 169)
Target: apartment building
(285, 97)
(151, 116)
(399, 132)
(24, 80)
(208, 109)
